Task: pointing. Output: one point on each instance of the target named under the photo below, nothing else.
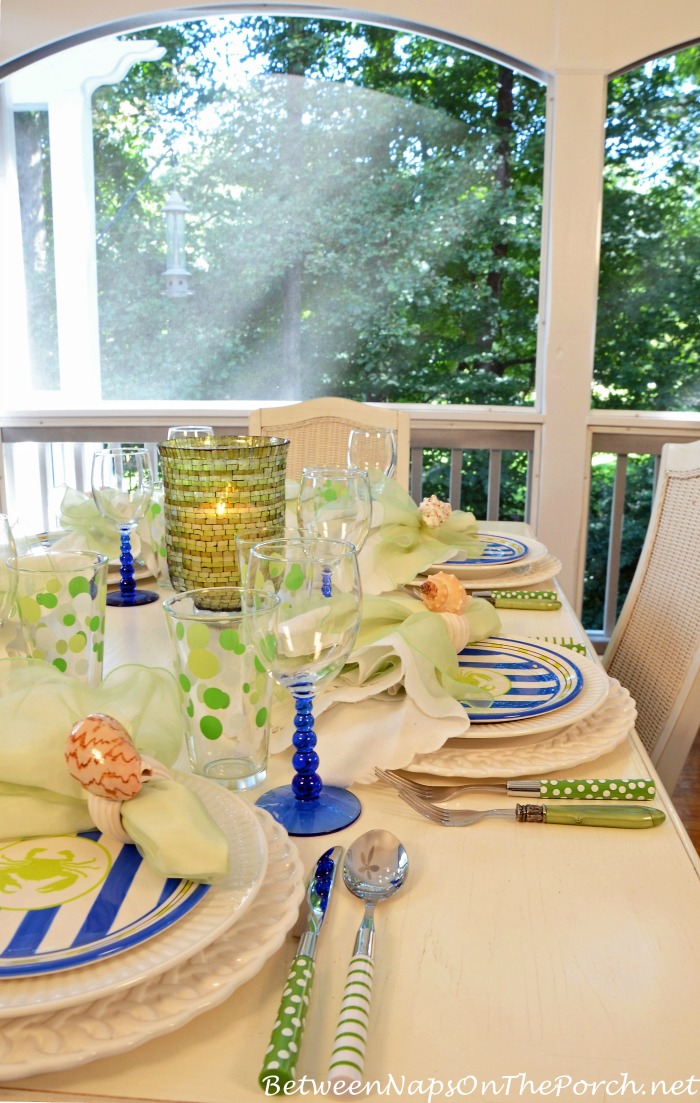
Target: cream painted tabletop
(520, 961)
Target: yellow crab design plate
(68, 900)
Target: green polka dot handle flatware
(629, 789)
(521, 599)
(280, 1061)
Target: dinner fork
(576, 815)
(549, 788)
(432, 792)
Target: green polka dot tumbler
(225, 691)
(61, 598)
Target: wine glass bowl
(198, 432)
(122, 486)
(8, 576)
(374, 452)
(335, 503)
(304, 643)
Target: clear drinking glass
(225, 691)
(373, 451)
(335, 503)
(122, 485)
(304, 643)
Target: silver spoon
(375, 867)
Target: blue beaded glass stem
(306, 784)
(128, 594)
(305, 807)
(127, 582)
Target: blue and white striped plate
(520, 679)
(497, 550)
(69, 900)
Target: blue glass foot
(136, 597)
(331, 811)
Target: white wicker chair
(655, 648)
(319, 429)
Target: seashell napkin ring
(102, 757)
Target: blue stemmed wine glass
(303, 644)
(122, 485)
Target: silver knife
(520, 599)
(279, 1065)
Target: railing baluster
(45, 481)
(456, 455)
(493, 500)
(5, 473)
(612, 575)
(417, 474)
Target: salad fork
(575, 815)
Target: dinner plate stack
(98, 953)
(505, 562)
(532, 706)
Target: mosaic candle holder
(214, 490)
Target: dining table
(518, 961)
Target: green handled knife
(280, 1061)
(520, 599)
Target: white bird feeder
(176, 274)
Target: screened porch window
(276, 208)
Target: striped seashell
(101, 756)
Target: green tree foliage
(638, 497)
(365, 210)
(365, 217)
(648, 339)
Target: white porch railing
(42, 451)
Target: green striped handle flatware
(348, 1056)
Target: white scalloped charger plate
(596, 686)
(49, 1042)
(584, 741)
(223, 905)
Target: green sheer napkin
(402, 543)
(38, 707)
(392, 699)
(87, 528)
